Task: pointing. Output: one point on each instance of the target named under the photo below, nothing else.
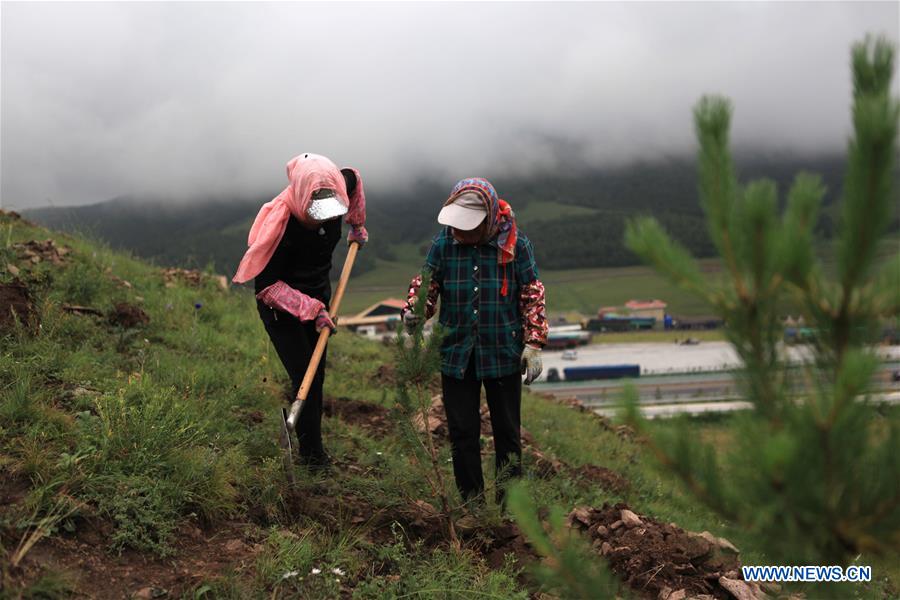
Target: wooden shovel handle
(323, 337)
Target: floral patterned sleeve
(532, 306)
(434, 290)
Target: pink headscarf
(306, 173)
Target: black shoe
(320, 462)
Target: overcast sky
(184, 100)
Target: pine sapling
(418, 362)
(815, 470)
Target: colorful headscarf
(306, 174)
(500, 218)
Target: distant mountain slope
(575, 221)
(192, 234)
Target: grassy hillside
(138, 453)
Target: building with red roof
(377, 318)
(647, 308)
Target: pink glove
(283, 297)
(358, 234)
(323, 320)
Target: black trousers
(294, 342)
(462, 402)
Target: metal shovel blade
(287, 448)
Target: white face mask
(325, 206)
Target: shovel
(289, 418)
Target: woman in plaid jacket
(492, 313)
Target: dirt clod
(16, 304)
(605, 478)
(127, 315)
(369, 416)
(385, 376)
(252, 417)
(501, 543)
(630, 519)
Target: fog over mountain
(189, 100)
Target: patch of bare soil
(384, 376)
(414, 520)
(605, 478)
(331, 507)
(192, 278)
(127, 315)
(417, 521)
(500, 544)
(251, 417)
(16, 304)
(97, 573)
(371, 417)
(13, 488)
(660, 560)
(547, 466)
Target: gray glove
(531, 363)
(410, 321)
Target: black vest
(303, 259)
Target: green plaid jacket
(474, 316)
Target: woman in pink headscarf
(291, 244)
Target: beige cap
(465, 213)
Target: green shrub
(438, 574)
(286, 552)
(143, 509)
(208, 479)
(80, 283)
(18, 403)
(140, 427)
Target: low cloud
(184, 100)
